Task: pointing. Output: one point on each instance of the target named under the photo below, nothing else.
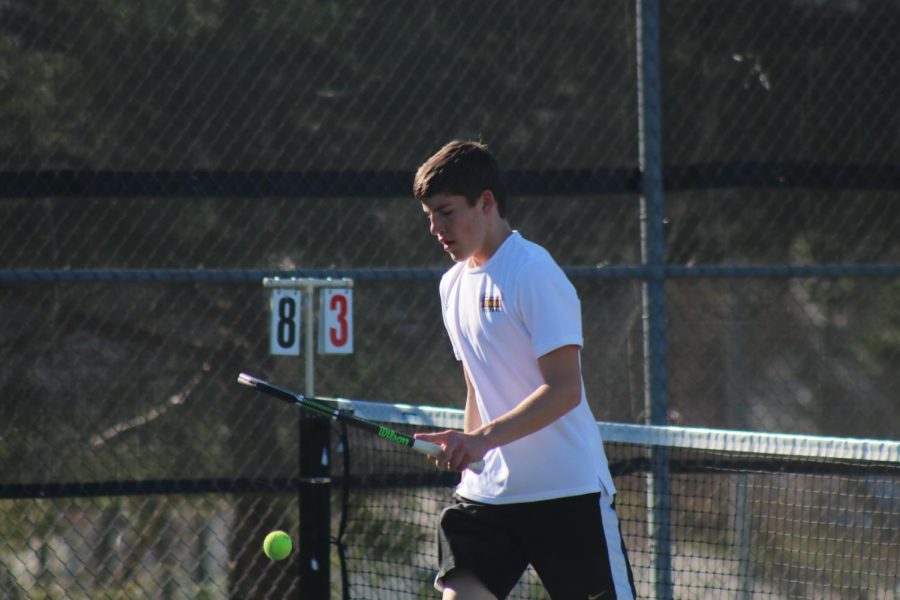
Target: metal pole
(314, 545)
(737, 409)
(653, 291)
(310, 341)
(315, 479)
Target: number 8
(287, 310)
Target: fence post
(653, 289)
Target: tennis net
(704, 512)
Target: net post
(314, 551)
(314, 531)
(315, 479)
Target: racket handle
(435, 450)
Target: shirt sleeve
(548, 306)
(444, 290)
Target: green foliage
(877, 343)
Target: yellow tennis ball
(277, 545)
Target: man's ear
(488, 201)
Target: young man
(545, 496)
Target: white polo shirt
(501, 317)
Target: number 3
(339, 335)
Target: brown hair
(463, 168)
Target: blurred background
(158, 159)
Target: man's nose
(435, 225)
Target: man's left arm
(560, 393)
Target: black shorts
(574, 544)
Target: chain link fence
(158, 158)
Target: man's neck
(493, 240)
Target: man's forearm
(545, 405)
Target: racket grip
(435, 450)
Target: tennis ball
(277, 545)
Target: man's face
(458, 227)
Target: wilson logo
(393, 436)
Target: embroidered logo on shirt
(491, 303)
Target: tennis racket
(319, 407)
